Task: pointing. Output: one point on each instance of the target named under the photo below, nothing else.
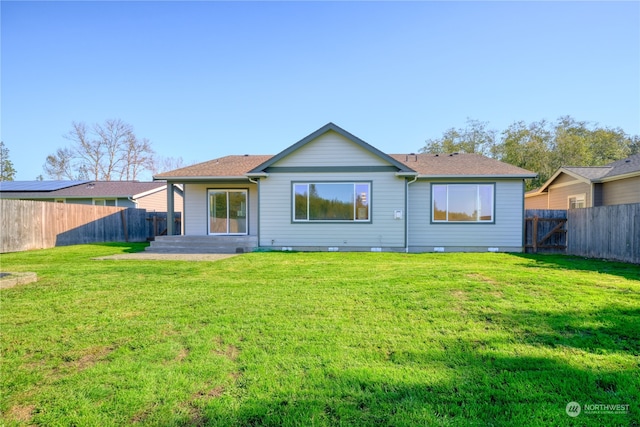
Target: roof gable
(315, 136)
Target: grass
(318, 339)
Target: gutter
(406, 216)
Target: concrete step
(203, 244)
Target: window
(462, 203)
(104, 202)
(577, 201)
(228, 212)
(331, 201)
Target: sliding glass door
(227, 211)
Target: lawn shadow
(482, 390)
(128, 247)
(611, 329)
(569, 262)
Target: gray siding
(505, 234)
(195, 205)
(621, 191)
(331, 149)
(277, 229)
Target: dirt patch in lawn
(21, 414)
(9, 279)
(148, 256)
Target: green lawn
(319, 339)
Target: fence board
(610, 232)
(29, 224)
(543, 230)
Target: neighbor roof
(37, 185)
(595, 174)
(91, 189)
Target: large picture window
(331, 201)
(462, 202)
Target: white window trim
(579, 197)
(104, 202)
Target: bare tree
(107, 151)
(165, 164)
(60, 165)
(138, 157)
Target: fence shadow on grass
(610, 329)
(482, 390)
(568, 262)
(128, 248)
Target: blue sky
(206, 79)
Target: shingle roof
(619, 167)
(109, 189)
(93, 189)
(425, 164)
(228, 166)
(38, 185)
(459, 165)
(624, 166)
(595, 172)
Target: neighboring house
(151, 196)
(331, 191)
(584, 187)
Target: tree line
(541, 146)
(111, 150)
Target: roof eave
(256, 174)
(200, 178)
(519, 176)
(617, 177)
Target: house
(151, 196)
(584, 187)
(331, 191)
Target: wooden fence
(610, 232)
(545, 231)
(26, 225)
(157, 224)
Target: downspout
(257, 183)
(406, 216)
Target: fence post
(124, 225)
(535, 234)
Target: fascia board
(617, 177)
